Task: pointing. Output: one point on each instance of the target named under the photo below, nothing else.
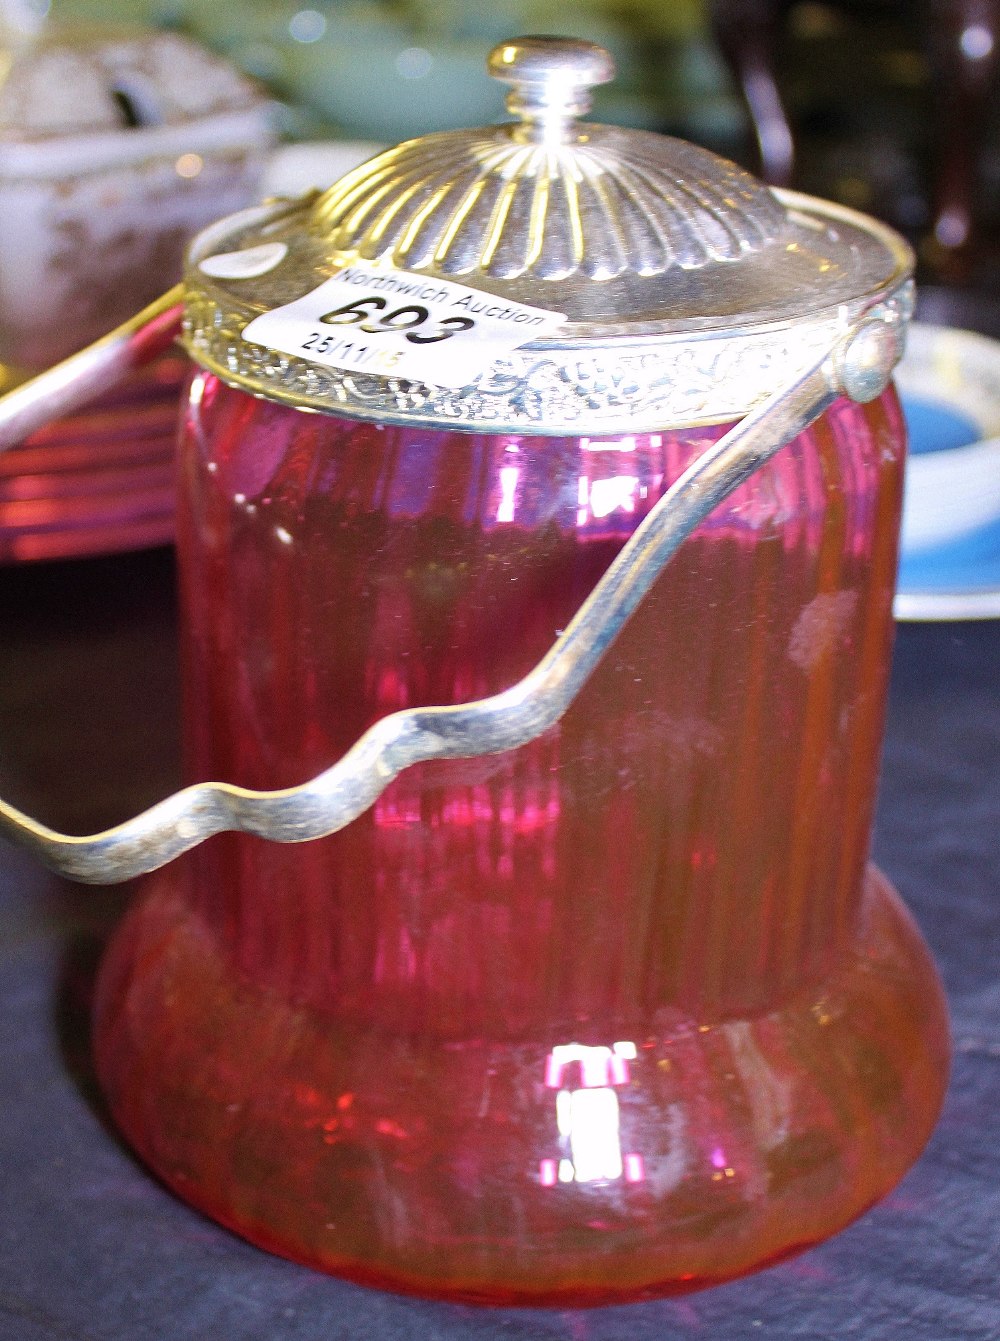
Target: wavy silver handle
(860, 366)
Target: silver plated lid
(683, 290)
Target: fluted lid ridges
(607, 225)
(605, 204)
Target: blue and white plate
(949, 382)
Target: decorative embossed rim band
(592, 379)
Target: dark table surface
(91, 1246)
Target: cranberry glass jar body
(622, 1012)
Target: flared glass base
(596, 1161)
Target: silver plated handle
(84, 375)
(859, 366)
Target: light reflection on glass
(547, 1173)
(600, 498)
(635, 1170)
(582, 495)
(625, 444)
(617, 480)
(509, 476)
(588, 1124)
(588, 1117)
(607, 496)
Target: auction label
(396, 324)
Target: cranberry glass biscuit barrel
(621, 1009)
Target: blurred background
(887, 105)
(127, 125)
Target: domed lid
(590, 237)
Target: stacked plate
(99, 481)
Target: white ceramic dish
(114, 150)
(949, 382)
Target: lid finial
(552, 78)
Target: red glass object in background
(101, 480)
(620, 1013)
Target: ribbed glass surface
(604, 203)
(617, 1013)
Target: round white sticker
(246, 264)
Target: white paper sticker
(393, 323)
(246, 264)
